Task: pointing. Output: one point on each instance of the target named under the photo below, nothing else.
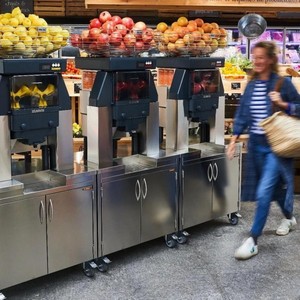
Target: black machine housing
(33, 92)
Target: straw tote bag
(283, 131)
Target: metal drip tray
(136, 163)
(209, 149)
(42, 180)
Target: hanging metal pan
(252, 26)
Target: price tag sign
(26, 6)
(235, 85)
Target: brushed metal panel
(64, 138)
(5, 157)
(70, 228)
(23, 252)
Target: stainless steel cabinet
(45, 233)
(70, 228)
(196, 202)
(120, 213)
(210, 189)
(23, 252)
(137, 207)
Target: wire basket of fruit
(30, 36)
(189, 37)
(109, 35)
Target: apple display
(104, 16)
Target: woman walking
(268, 177)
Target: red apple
(75, 40)
(95, 23)
(115, 38)
(128, 22)
(139, 46)
(103, 38)
(197, 88)
(94, 32)
(104, 16)
(129, 40)
(139, 26)
(108, 27)
(121, 28)
(116, 20)
(147, 36)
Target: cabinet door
(120, 213)
(196, 194)
(23, 252)
(225, 186)
(70, 228)
(158, 204)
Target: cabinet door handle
(209, 172)
(42, 212)
(50, 210)
(137, 190)
(215, 172)
(145, 188)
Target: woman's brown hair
(271, 51)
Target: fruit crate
(50, 8)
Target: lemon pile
(29, 36)
(231, 70)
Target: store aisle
(204, 268)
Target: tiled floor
(204, 268)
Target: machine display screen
(205, 82)
(131, 86)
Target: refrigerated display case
(287, 39)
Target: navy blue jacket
(243, 120)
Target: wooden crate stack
(76, 8)
(50, 8)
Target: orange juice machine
(35, 114)
(193, 97)
(122, 100)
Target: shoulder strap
(278, 84)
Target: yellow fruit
(20, 18)
(44, 41)
(28, 40)
(5, 43)
(37, 22)
(14, 38)
(7, 28)
(49, 48)
(4, 21)
(182, 21)
(26, 22)
(162, 26)
(19, 46)
(21, 31)
(36, 43)
(13, 22)
(32, 32)
(32, 17)
(57, 39)
(16, 11)
(40, 50)
(65, 33)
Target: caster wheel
(171, 243)
(89, 272)
(233, 219)
(182, 239)
(103, 267)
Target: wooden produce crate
(77, 8)
(50, 8)
(234, 84)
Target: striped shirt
(258, 106)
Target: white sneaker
(246, 250)
(285, 226)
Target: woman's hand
(277, 100)
(230, 150)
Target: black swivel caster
(170, 241)
(233, 219)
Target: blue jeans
(267, 166)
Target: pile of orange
(194, 37)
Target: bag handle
(278, 84)
(277, 88)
